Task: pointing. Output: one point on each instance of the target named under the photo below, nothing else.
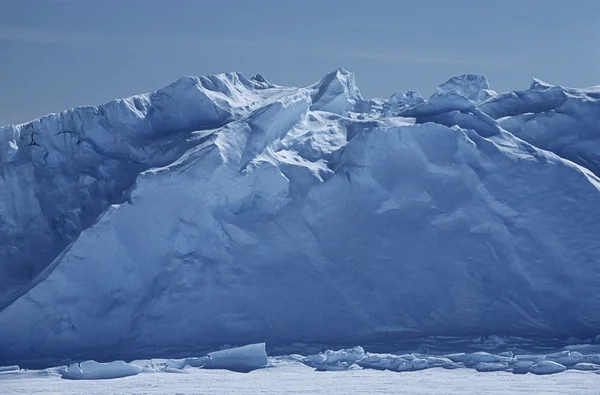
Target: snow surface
(226, 210)
(354, 371)
(300, 379)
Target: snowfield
(350, 371)
(299, 379)
(226, 210)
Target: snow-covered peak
(337, 92)
(472, 86)
(229, 93)
(261, 82)
(538, 84)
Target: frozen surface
(344, 371)
(226, 210)
(295, 378)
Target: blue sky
(58, 54)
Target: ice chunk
(491, 366)
(592, 358)
(375, 361)
(176, 366)
(476, 357)
(176, 363)
(584, 348)
(566, 357)
(482, 356)
(170, 365)
(586, 366)
(240, 359)
(9, 368)
(197, 362)
(419, 364)
(407, 364)
(443, 362)
(24, 374)
(522, 366)
(337, 367)
(339, 360)
(92, 370)
(529, 357)
(397, 363)
(547, 367)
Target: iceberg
(227, 210)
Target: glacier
(230, 210)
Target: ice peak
(183, 82)
(224, 83)
(336, 92)
(538, 84)
(261, 82)
(259, 78)
(473, 86)
(341, 71)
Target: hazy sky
(57, 54)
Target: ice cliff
(227, 210)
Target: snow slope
(226, 210)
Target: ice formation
(92, 370)
(253, 357)
(356, 358)
(226, 210)
(242, 359)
